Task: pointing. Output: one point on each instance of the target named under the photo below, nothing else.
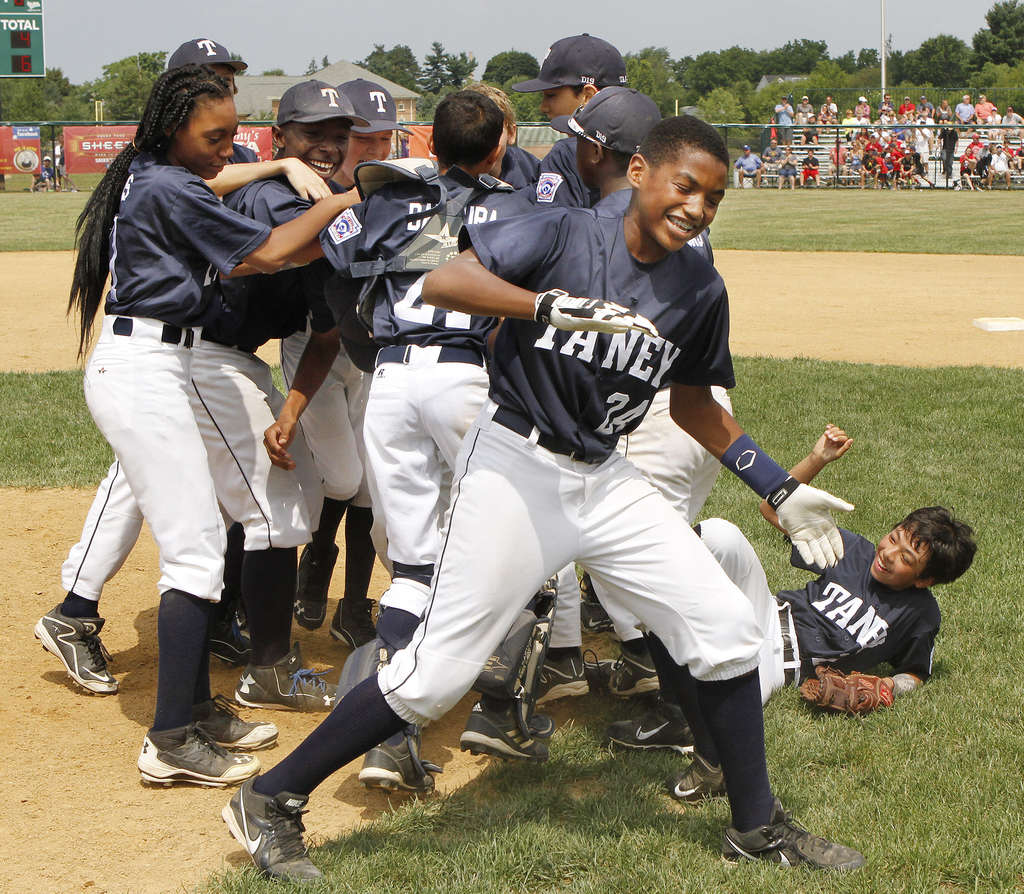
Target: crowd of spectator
(888, 147)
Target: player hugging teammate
(509, 353)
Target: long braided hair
(171, 102)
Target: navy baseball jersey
(847, 618)
(559, 180)
(380, 227)
(618, 202)
(519, 168)
(170, 238)
(587, 388)
(262, 307)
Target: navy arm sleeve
(222, 236)
(514, 248)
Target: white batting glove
(805, 515)
(563, 311)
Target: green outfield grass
(937, 222)
(930, 790)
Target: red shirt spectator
(983, 109)
(907, 107)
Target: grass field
(931, 790)
(804, 220)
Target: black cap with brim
(575, 61)
(618, 118)
(311, 101)
(203, 51)
(374, 103)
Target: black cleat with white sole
(76, 642)
(189, 755)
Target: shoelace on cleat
(97, 651)
(308, 675)
(288, 828)
(202, 740)
(221, 705)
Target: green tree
(796, 57)
(311, 68)
(721, 107)
(125, 85)
(324, 62)
(941, 61)
(273, 73)
(50, 98)
(525, 105)
(397, 64)
(868, 58)
(511, 65)
(459, 69)
(1003, 40)
(721, 68)
(434, 74)
(651, 71)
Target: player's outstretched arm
(833, 444)
(805, 513)
(320, 353)
(464, 284)
(297, 241)
(303, 179)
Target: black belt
(518, 423)
(227, 344)
(447, 354)
(171, 334)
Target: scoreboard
(21, 39)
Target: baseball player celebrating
(574, 69)
(333, 421)
(539, 484)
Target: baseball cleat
(662, 727)
(285, 685)
(786, 842)
(218, 721)
(76, 642)
(270, 829)
(229, 642)
(630, 675)
(562, 678)
(352, 623)
(311, 585)
(398, 768)
(197, 759)
(698, 782)
(498, 734)
(593, 617)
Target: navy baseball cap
(617, 117)
(575, 61)
(203, 51)
(313, 101)
(374, 104)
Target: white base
(999, 324)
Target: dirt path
(912, 310)
(76, 817)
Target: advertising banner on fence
(19, 150)
(90, 149)
(259, 139)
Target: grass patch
(921, 221)
(930, 790)
(937, 222)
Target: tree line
(721, 84)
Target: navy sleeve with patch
(559, 183)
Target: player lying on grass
(873, 607)
(538, 484)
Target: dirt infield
(911, 310)
(70, 789)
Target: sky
(82, 36)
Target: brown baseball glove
(853, 693)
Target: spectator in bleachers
(966, 181)
(863, 110)
(772, 157)
(924, 107)
(804, 108)
(46, 179)
(944, 114)
(999, 167)
(983, 110)
(965, 111)
(748, 167)
(984, 161)
(1016, 159)
(838, 155)
(1011, 123)
(948, 138)
(787, 169)
(784, 120)
(828, 109)
(854, 167)
(886, 106)
(886, 117)
(809, 164)
(923, 138)
(973, 153)
(906, 107)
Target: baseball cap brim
(535, 85)
(561, 124)
(313, 117)
(379, 127)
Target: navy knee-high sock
(231, 595)
(679, 688)
(732, 710)
(268, 590)
(327, 531)
(359, 552)
(182, 624)
(359, 721)
(75, 606)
